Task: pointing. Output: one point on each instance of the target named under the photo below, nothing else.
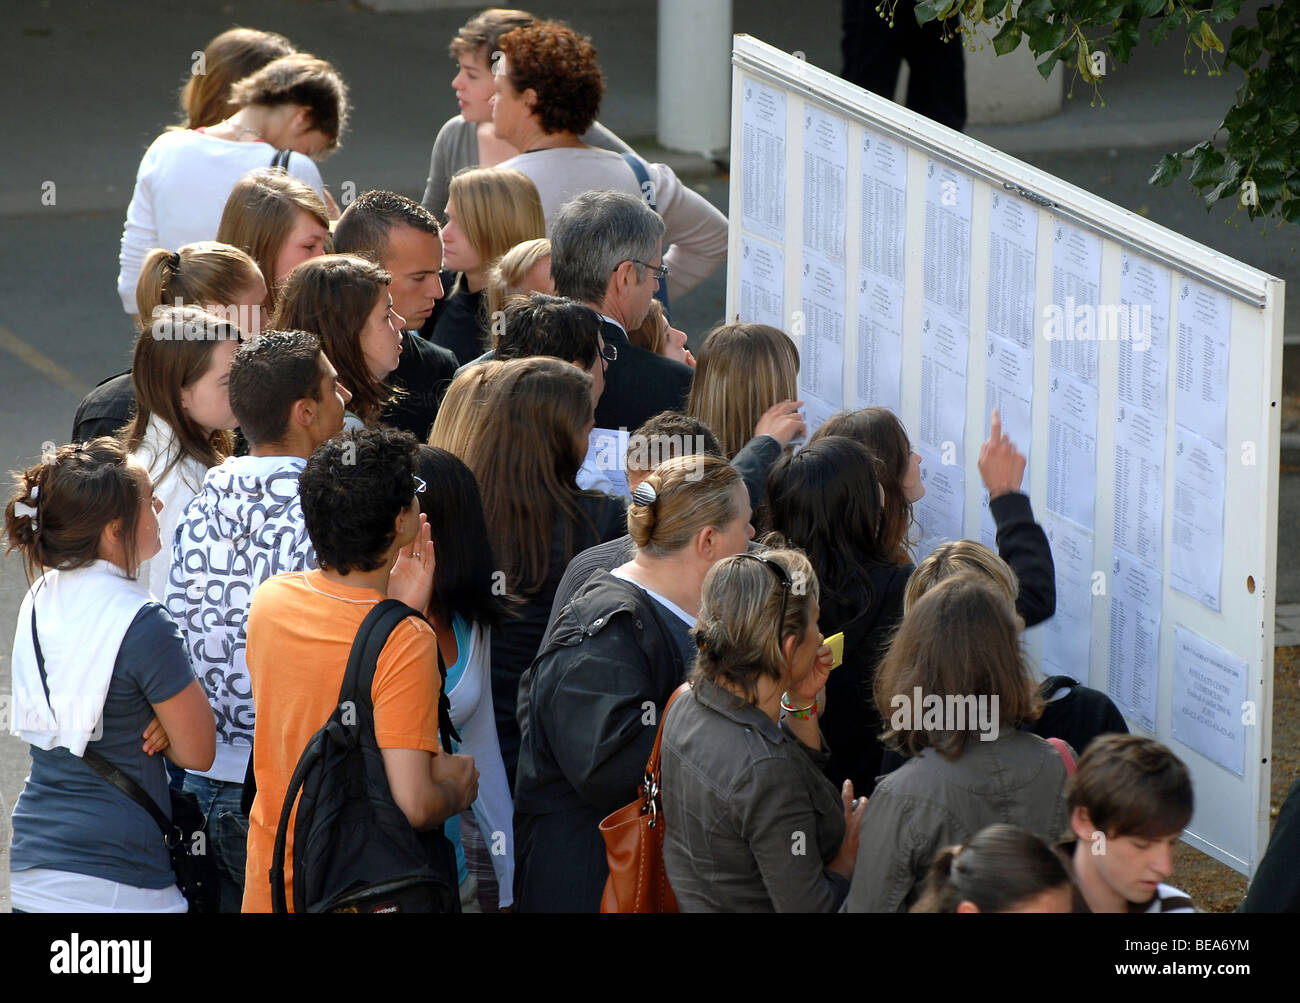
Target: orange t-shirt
(300, 630)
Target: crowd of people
(477, 405)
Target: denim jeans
(227, 833)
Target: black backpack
(353, 849)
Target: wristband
(800, 713)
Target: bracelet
(800, 713)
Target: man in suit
(607, 252)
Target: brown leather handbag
(634, 843)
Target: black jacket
(458, 322)
(423, 371)
(639, 384)
(851, 723)
(106, 409)
(515, 642)
(588, 710)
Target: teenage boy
(1129, 801)
(244, 526)
(359, 502)
(403, 236)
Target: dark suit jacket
(640, 384)
(424, 372)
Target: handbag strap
(1064, 750)
(281, 160)
(102, 766)
(652, 764)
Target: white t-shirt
(181, 190)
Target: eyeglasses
(419, 485)
(609, 352)
(661, 271)
(783, 580)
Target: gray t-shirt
(68, 818)
(456, 147)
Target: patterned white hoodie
(243, 527)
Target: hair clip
(645, 494)
(176, 261)
(21, 509)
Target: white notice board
(1140, 372)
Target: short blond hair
(949, 559)
(506, 275)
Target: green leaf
(1006, 40)
(1169, 167)
(992, 8)
(1206, 162)
(1123, 39)
(1225, 10)
(1291, 210)
(929, 10)
(1161, 31)
(1150, 8)
(1046, 66)
(1246, 47)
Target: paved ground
(89, 85)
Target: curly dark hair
(560, 66)
(353, 488)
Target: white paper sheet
(815, 412)
(947, 239)
(1071, 447)
(944, 345)
(1067, 636)
(1204, 329)
(1070, 321)
(821, 343)
(1209, 700)
(1196, 564)
(941, 514)
(884, 205)
(762, 283)
(1144, 334)
(607, 447)
(825, 182)
(763, 158)
(880, 343)
(1135, 607)
(1009, 387)
(1013, 243)
(1140, 484)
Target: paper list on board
(607, 449)
(821, 343)
(944, 346)
(1071, 447)
(762, 129)
(825, 182)
(762, 283)
(1132, 677)
(1067, 636)
(1139, 484)
(1204, 319)
(1070, 321)
(1144, 334)
(947, 239)
(1196, 564)
(1013, 243)
(941, 513)
(884, 206)
(1209, 701)
(880, 343)
(1008, 387)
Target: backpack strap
(281, 160)
(371, 637)
(648, 193)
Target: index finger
(995, 431)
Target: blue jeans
(227, 833)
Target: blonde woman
(279, 221)
(743, 756)
(489, 211)
(746, 382)
(293, 109)
(463, 409)
(217, 277)
(525, 268)
(621, 646)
